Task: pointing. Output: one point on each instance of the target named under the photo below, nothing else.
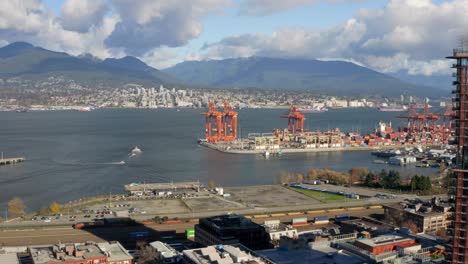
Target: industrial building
(460, 189)
(427, 216)
(90, 252)
(231, 229)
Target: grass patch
(321, 196)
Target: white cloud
(161, 58)
(268, 7)
(410, 35)
(80, 15)
(148, 24)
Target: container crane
(213, 123)
(295, 120)
(229, 122)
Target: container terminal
(424, 129)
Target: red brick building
(381, 244)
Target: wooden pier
(11, 160)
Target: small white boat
(136, 151)
(266, 154)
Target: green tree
(391, 180)
(369, 180)
(427, 185)
(414, 183)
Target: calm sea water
(75, 154)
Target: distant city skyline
(410, 36)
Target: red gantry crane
(412, 117)
(213, 123)
(295, 120)
(229, 123)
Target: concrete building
(165, 253)
(88, 253)
(223, 254)
(275, 230)
(428, 217)
(9, 258)
(115, 252)
(382, 244)
(231, 229)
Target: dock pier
(11, 160)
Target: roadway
(51, 235)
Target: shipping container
(190, 232)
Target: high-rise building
(459, 242)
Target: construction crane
(213, 123)
(229, 122)
(295, 120)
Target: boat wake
(122, 162)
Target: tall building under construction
(459, 252)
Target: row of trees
(17, 207)
(420, 183)
(315, 174)
(389, 180)
(384, 179)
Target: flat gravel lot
(268, 196)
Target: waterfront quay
(9, 161)
(238, 148)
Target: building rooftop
(224, 254)
(66, 252)
(9, 258)
(383, 240)
(165, 250)
(230, 222)
(112, 251)
(115, 251)
(420, 209)
(324, 254)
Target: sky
(390, 36)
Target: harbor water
(73, 154)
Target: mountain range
(327, 77)
(26, 61)
(22, 59)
